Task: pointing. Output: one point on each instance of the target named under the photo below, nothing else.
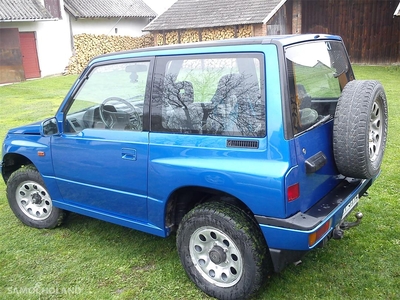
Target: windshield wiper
(323, 120)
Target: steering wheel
(114, 108)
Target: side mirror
(49, 127)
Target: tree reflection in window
(234, 106)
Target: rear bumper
(288, 239)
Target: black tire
(360, 129)
(29, 200)
(223, 251)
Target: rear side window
(210, 95)
(317, 73)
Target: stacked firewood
(204, 34)
(190, 36)
(160, 39)
(87, 46)
(245, 31)
(171, 38)
(219, 33)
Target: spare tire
(360, 129)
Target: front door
(100, 159)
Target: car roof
(282, 40)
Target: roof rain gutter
(29, 20)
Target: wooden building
(369, 28)
(371, 33)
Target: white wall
(54, 38)
(53, 42)
(125, 26)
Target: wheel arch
(182, 200)
(11, 163)
(30, 200)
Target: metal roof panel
(187, 14)
(109, 8)
(23, 10)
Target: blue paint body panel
(129, 177)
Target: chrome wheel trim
(216, 256)
(375, 130)
(33, 200)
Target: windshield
(318, 72)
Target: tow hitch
(338, 232)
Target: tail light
(293, 192)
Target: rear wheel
(29, 200)
(223, 251)
(360, 129)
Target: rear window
(317, 71)
(210, 94)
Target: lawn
(91, 259)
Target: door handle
(315, 162)
(129, 154)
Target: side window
(210, 95)
(111, 97)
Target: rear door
(318, 72)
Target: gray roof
(186, 14)
(108, 8)
(23, 10)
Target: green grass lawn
(90, 259)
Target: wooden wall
(368, 28)
(281, 22)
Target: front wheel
(30, 201)
(223, 251)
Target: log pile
(160, 39)
(205, 34)
(87, 46)
(220, 33)
(171, 38)
(189, 36)
(245, 31)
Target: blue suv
(253, 151)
